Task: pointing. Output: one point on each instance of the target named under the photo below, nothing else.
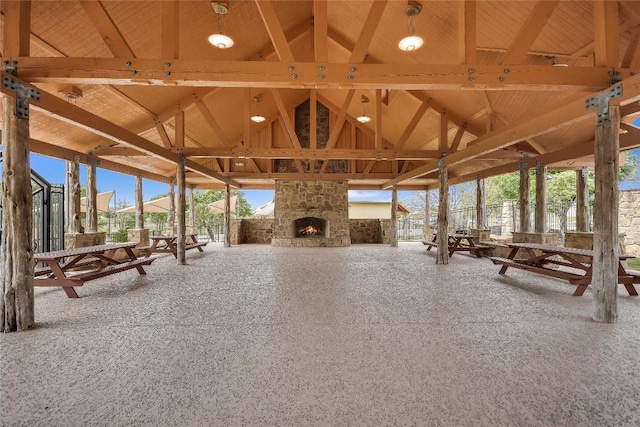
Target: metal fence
(213, 233)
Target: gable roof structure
(137, 86)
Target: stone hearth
(311, 214)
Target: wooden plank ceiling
(483, 91)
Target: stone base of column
(483, 234)
(191, 229)
(550, 239)
(584, 240)
(170, 231)
(82, 240)
(140, 236)
(427, 233)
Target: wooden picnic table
(60, 265)
(169, 244)
(458, 243)
(571, 264)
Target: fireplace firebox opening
(310, 227)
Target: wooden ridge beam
(303, 153)
(269, 74)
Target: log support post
(525, 205)
(442, 254)
(481, 205)
(605, 219)
(582, 200)
(172, 206)
(192, 208)
(92, 198)
(227, 215)
(393, 230)
(181, 209)
(541, 197)
(73, 177)
(139, 204)
(16, 246)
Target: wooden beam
(271, 22)
(467, 32)
(313, 120)
(170, 26)
(368, 30)
(411, 126)
(456, 139)
(302, 153)
(529, 32)
(632, 54)
(453, 118)
(212, 122)
(179, 140)
(443, 134)
(163, 134)
(342, 115)
(286, 120)
(559, 115)
(606, 32)
(17, 29)
(271, 74)
(109, 32)
(320, 26)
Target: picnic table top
(43, 256)
(559, 249)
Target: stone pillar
(605, 219)
(541, 197)
(525, 205)
(582, 200)
(508, 220)
(393, 237)
(442, 254)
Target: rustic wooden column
(227, 216)
(393, 230)
(541, 197)
(481, 205)
(525, 206)
(180, 174)
(75, 221)
(442, 254)
(605, 219)
(91, 221)
(139, 204)
(192, 208)
(67, 195)
(172, 205)
(427, 208)
(582, 200)
(16, 250)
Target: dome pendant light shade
(258, 118)
(220, 40)
(411, 42)
(364, 119)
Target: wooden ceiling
(483, 91)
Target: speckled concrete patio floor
(364, 335)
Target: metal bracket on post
(23, 93)
(601, 101)
(614, 77)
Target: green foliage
(120, 236)
(629, 170)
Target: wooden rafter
(408, 130)
(368, 30)
(455, 144)
(443, 134)
(306, 153)
(467, 31)
(274, 28)
(107, 29)
(179, 123)
(170, 24)
(342, 115)
(17, 28)
(378, 119)
(320, 26)
(606, 32)
(529, 32)
(162, 132)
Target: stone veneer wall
(629, 220)
(256, 230)
(365, 231)
(320, 199)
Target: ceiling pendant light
(411, 42)
(364, 118)
(257, 117)
(220, 40)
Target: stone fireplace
(311, 214)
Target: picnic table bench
(60, 267)
(571, 264)
(458, 243)
(169, 244)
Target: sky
(53, 170)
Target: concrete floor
(364, 335)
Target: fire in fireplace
(309, 227)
